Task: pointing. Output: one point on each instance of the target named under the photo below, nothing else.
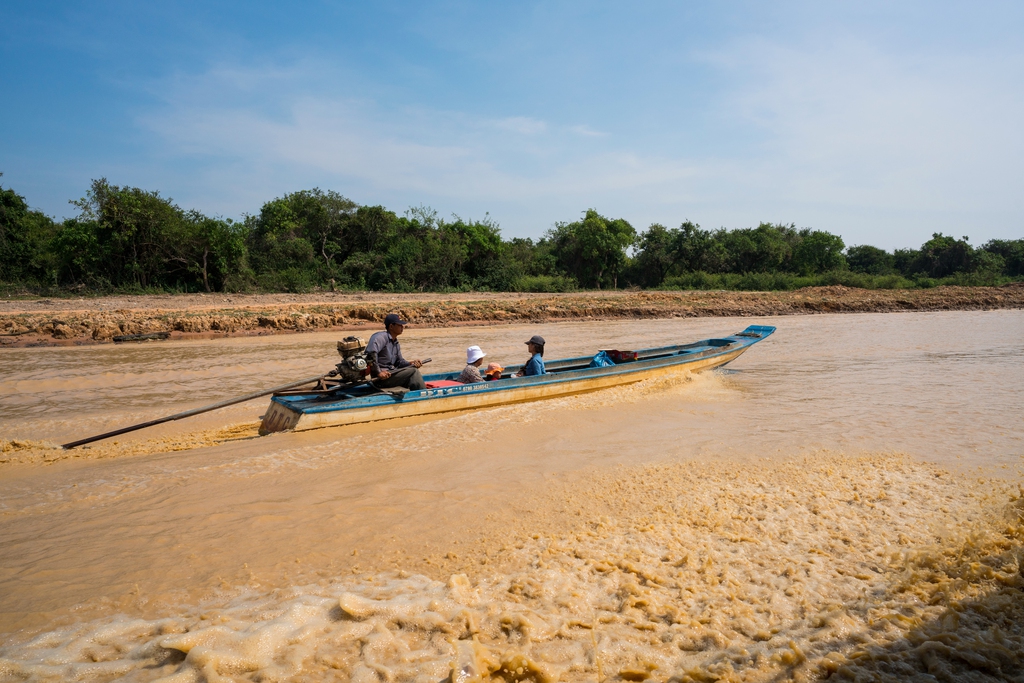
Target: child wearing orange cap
(493, 372)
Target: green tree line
(125, 239)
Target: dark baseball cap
(393, 319)
(536, 339)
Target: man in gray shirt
(388, 367)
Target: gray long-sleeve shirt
(386, 352)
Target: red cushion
(437, 384)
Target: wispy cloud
(841, 136)
(522, 125)
(415, 153)
(587, 131)
(851, 124)
(879, 145)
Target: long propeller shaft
(194, 411)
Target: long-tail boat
(301, 410)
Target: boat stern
(279, 418)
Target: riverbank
(59, 322)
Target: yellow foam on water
(872, 568)
(40, 452)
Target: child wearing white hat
(474, 358)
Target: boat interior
(583, 362)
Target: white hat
(473, 354)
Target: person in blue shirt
(534, 366)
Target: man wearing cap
(388, 367)
(534, 366)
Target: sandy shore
(54, 322)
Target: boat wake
(859, 568)
(676, 383)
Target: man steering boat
(387, 365)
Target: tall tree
(818, 251)
(592, 250)
(765, 249)
(25, 236)
(696, 249)
(865, 258)
(1012, 253)
(132, 238)
(942, 256)
(213, 251)
(654, 256)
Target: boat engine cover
(351, 346)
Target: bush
(296, 280)
(695, 280)
(767, 282)
(545, 283)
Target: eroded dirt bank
(86, 321)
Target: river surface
(757, 521)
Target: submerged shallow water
(750, 522)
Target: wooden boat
(567, 376)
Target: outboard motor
(355, 366)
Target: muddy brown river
(842, 501)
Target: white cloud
(522, 125)
(587, 131)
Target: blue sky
(879, 121)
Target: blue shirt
(534, 366)
(385, 352)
